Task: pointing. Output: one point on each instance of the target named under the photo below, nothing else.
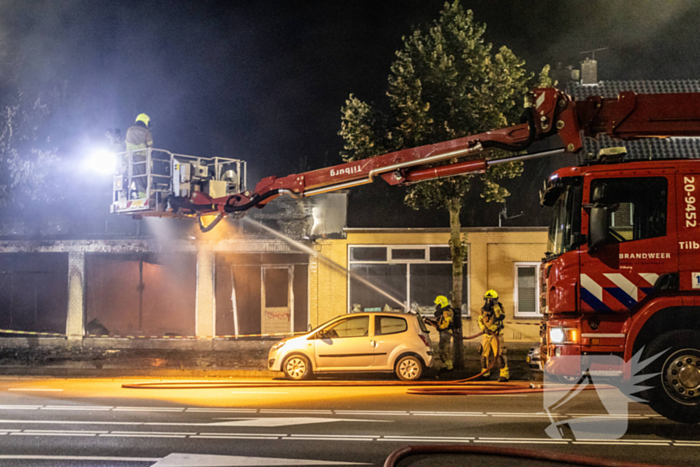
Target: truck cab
(622, 276)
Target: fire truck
(621, 275)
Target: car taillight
(424, 339)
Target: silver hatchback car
(357, 342)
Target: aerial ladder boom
(548, 112)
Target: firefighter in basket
(491, 324)
(444, 323)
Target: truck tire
(675, 391)
(297, 367)
(409, 368)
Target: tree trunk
(458, 254)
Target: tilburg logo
(346, 171)
(614, 394)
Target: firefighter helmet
(491, 295)
(442, 301)
(143, 118)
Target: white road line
(421, 440)
(343, 438)
(55, 434)
(35, 389)
(205, 410)
(321, 412)
(233, 433)
(334, 436)
(237, 422)
(149, 432)
(77, 408)
(326, 412)
(149, 409)
(115, 435)
(619, 443)
(20, 407)
(515, 441)
(234, 437)
(79, 458)
(64, 431)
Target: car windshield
(566, 221)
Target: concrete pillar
(205, 302)
(76, 296)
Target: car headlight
(278, 345)
(563, 335)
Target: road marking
(249, 422)
(339, 438)
(149, 409)
(204, 460)
(206, 410)
(324, 412)
(79, 458)
(275, 422)
(348, 438)
(35, 389)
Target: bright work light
(102, 162)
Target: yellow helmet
(442, 301)
(143, 118)
(491, 294)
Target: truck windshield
(566, 221)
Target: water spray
(326, 260)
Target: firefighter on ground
(138, 136)
(444, 323)
(491, 324)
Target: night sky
(264, 81)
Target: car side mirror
(598, 226)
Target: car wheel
(675, 386)
(297, 367)
(409, 368)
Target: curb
(72, 372)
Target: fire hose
(568, 459)
(462, 387)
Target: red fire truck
(622, 272)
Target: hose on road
(568, 459)
(463, 387)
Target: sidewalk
(249, 363)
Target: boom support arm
(549, 111)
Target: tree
(28, 153)
(445, 83)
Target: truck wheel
(409, 368)
(297, 367)
(675, 391)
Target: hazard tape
(52, 334)
(55, 334)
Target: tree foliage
(445, 83)
(28, 153)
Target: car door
(390, 332)
(344, 345)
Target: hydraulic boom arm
(549, 112)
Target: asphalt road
(91, 422)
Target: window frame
(377, 328)
(538, 311)
(408, 262)
(345, 320)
